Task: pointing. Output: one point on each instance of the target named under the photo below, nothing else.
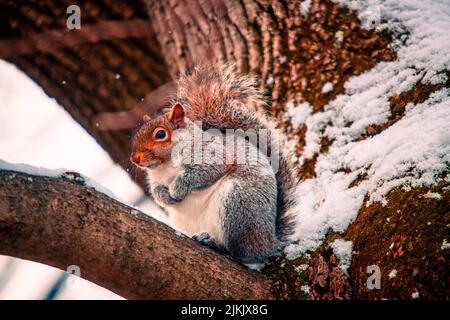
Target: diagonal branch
(62, 222)
(120, 120)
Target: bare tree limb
(120, 120)
(62, 222)
(90, 33)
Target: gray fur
(161, 194)
(248, 213)
(195, 177)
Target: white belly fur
(199, 211)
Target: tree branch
(62, 222)
(120, 120)
(90, 33)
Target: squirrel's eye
(160, 134)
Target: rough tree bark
(61, 222)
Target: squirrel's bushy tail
(220, 98)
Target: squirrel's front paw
(178, 191)
(162, 195)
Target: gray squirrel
(214, 180)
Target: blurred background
(35, 130)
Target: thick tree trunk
(293, 55)
(61, 222)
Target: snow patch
(305, 8)
(343, 250)
(392, 274)
(301, 268)
(339, 35)
(327, 87)
(256, 266)
(432, 195)
(302, 115)
(305, 289)
(57, 173)
(437, 79)
(412, 152)
(445, 245)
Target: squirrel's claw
(162, 195)
(205, 239)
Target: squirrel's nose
(135, 158)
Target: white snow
(445, 245)
(343, 250)
(305, 8)
(339, 35)
(437, 79)
(56, 173)
(392, 274)
(327, 87)
(415, 295)
(301, 115)
(305, 289)
(256, 266)
(301, 268)
(178, 233)
(433, 195)
(412, 152)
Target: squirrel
(239, 205)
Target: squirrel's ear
(146, 117)
(177, 116)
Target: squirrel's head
(153, 143)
